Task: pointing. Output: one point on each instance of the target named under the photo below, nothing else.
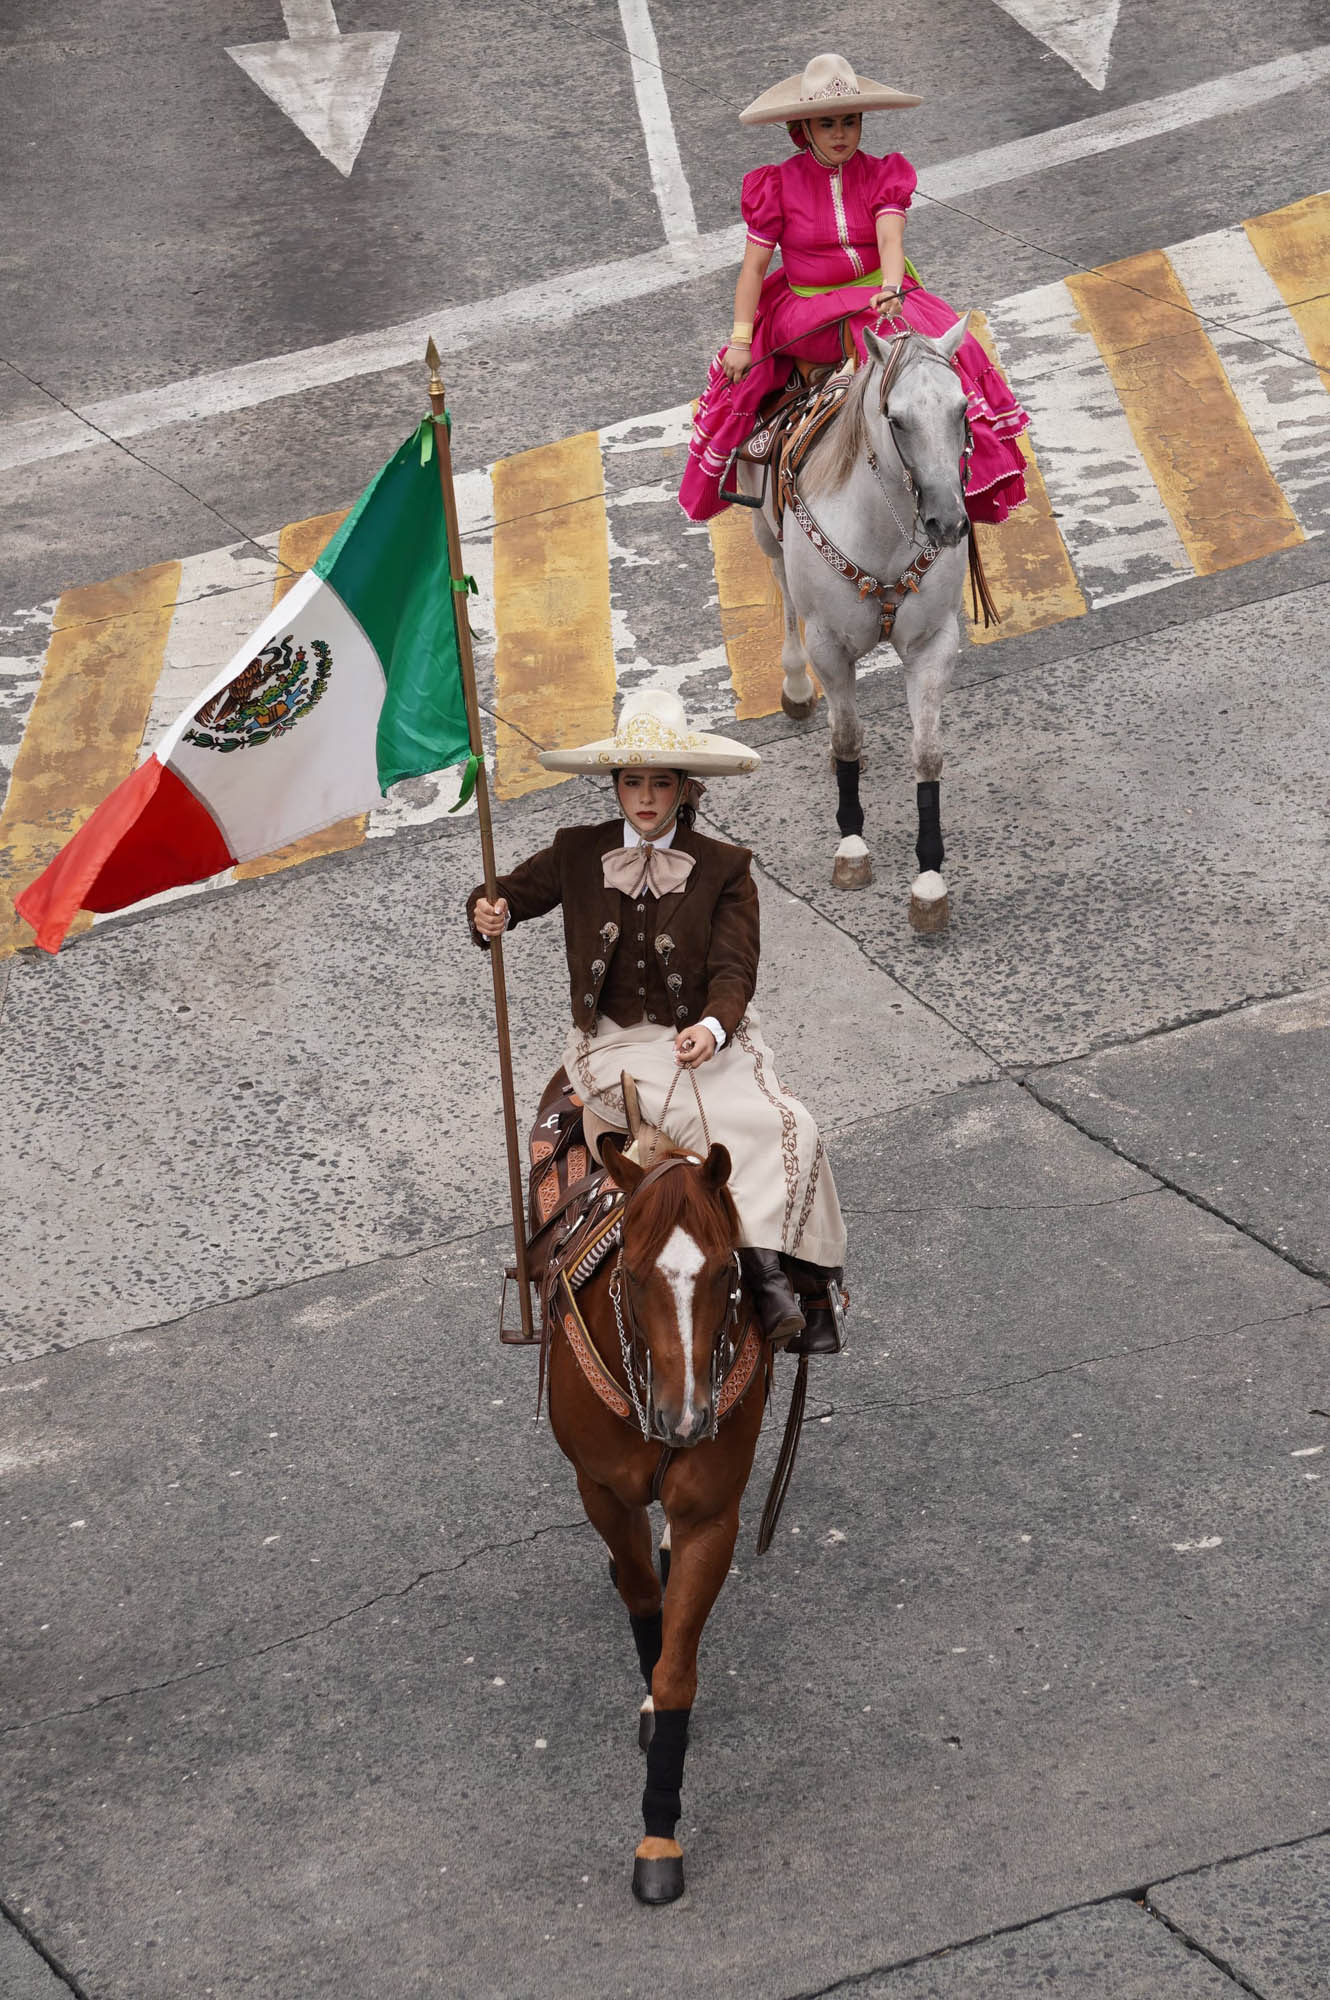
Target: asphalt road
(310, 1678)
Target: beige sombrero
(652, 734)
(828, 85)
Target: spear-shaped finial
(435, 379)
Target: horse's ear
(630, 1103)
(716, 1167)
(625, 1173)
(947, 343)
(875, 349)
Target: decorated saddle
(788, 426)
(573, 1208)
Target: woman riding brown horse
(656, 1374)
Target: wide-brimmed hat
(827, 87)
(652, 734)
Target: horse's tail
(980, 594)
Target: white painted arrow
(1080, 31)
(327, 83)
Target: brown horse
(669, 1408)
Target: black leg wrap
(849, 812)
(661, 1801)
(646, 1638)
(928, 848)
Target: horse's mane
(843, 442)
(686, 1199)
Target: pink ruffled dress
(824, 222)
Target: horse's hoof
(646, 1724)
(929, 909)
(854, 864)
(658, 1878)
(798, 711)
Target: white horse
(881, 491)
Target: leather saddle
(569, 1198)
(788, 426)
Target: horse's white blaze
(679, 1263)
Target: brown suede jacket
(705, 936)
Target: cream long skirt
(780, 1174)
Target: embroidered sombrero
(827, 86)
(652, 734)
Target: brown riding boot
(823, 1325)
(773, 1295)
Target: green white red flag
(352, 682)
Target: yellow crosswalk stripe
(299, 546)
(1190, 427)
(1025, 558)
(108, 642)
(1294, 245)
(751, 621)
(554, 652)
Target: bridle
(889, 596)
(635, 1348)
(891, 368)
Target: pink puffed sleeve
(892, 185)
(760, 206)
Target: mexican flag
(350, 683)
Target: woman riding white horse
(837, 216)
(661, 926)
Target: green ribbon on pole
(469, 776)
(426, 435)
(464, 583)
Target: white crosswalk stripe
(1120, 536)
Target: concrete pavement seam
(1207, 1867)
(1202, 1951)
(292, 1638)
(1007, 1931)
(1197, 1200)
(1068, 1367)
(1196, 1018)
(1140, 1896)
(433, 1248)
(1003, 1207)
(859, 945)
(264, 1291)
(119, 444)
(11, 1916)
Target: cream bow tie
(662, 870)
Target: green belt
(873, 278)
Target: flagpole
(443, 451)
